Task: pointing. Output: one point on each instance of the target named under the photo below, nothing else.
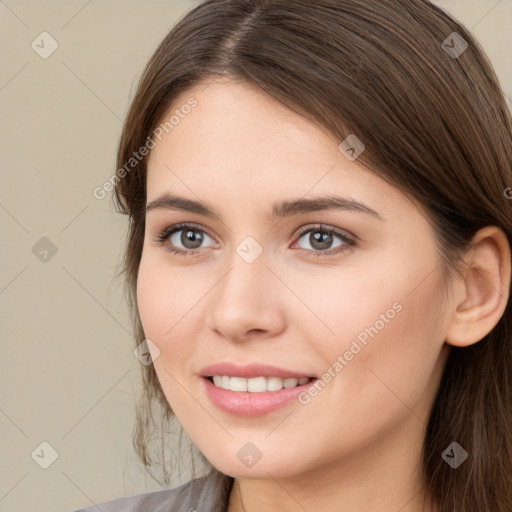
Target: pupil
(320, 240)
(188, 237)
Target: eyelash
(164, 236)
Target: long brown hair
(435, 124)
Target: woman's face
(260, 282)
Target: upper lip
(250, 370)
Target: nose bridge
(246, 297)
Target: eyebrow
(279, 210)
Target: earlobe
(480, 299)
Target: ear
(481, 297)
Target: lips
(251, 370)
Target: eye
(188, 236)
(322, 240)
(187, 239)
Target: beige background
(68, 374)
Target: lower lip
(245, 403)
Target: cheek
(163, 296)
(382, 320)
(347, 302)
(150, 297)
(159, 300)
(171, 309)
(162, 308)
(390, 352)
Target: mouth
(254, 396)
(252, 389)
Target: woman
(319, 260)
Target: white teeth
(290, 383)
(272, 383)
(238, 384)
(256, 384)
(225, 382)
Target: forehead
(236, 127)
(240, 144)
(240, 120)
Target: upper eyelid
(184, 225)
(320, 226)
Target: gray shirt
(205, 494)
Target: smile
(262, 396)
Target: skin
(356, 445)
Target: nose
(247, 302)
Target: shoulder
(205, 494)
